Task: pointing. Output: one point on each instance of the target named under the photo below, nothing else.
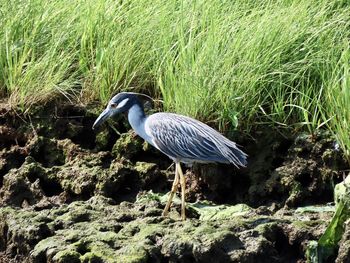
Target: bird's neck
(137, 117)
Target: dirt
(69, 194)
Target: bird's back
(188, 140)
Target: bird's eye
(113, 105)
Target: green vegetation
(280, 62)
(328, 244)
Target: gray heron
(181, 138)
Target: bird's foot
(165, 213)
(183, 217)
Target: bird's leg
(172, 192)
(183, 187)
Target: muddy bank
(69, 194)
(98, 230)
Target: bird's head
(120, 103)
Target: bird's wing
(181, 137)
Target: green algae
(67, 256)
(145, 197)
(83, 174)
(220, 212)
(145, 168)
(132, 254)
(307, 224)
(128, 245)
(97, 230)
(206, 210)
(127, 146)
(102, 139)
(315, 209)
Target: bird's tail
(237, 156)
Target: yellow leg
(172, 192)
(183, 187)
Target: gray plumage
(188, 140)
(182, 138)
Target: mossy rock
(98, 230)
(342, 190)
(67, 256)
(128, 146)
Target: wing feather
(184, 138)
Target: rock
(17, 188)
(22, 230)
(325, 249)
(95, 230)
(46, 151)
(209, 211)
(344, 247)
(11, 158)
(78, 174)
(341, 192)
(342, 189)
(11, 136)
(303, 177)
(150, 176)
(103, 139)
(128, 146)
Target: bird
(183, 139)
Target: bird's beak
(102, 118)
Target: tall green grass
(337, 99)
(239, 63)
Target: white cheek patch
(122, 103)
